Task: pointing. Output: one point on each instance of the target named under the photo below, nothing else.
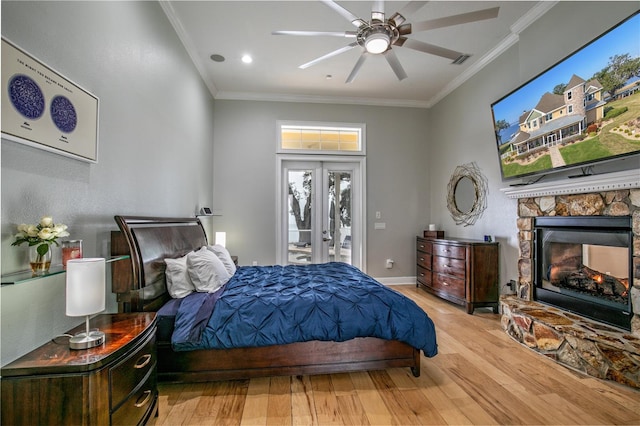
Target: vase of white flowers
(40, 238)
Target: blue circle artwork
(63, 114)
(26, 96)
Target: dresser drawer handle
(146, 395)
(422, 259)
(444, 283)
(421, 274)
(143, 361)
(421, 245)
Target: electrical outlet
(389, 263)
(254, 263)
(378, 215)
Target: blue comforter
(272, 305)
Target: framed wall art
(43, 109)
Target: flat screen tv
(583, 110)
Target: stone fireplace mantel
(595, 183)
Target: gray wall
(155, 144)
(245, 177)
(460, 126)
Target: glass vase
(40, 260)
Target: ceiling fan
(379, 34)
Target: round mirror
(466, 195)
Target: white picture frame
(43, 109)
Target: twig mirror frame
(473, 173)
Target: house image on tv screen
(559, 118)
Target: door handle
(326, 239)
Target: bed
(140, 285)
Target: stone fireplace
(604, 350)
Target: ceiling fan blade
(448, 21)
(409, 9)
(356, 68)
(329, 55)
(391, 57)
(346, 34)
(428, 48)
(345, 13)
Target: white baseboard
(396, 280)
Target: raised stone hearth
(587, 346)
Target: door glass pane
(339, 216)
(299, 220)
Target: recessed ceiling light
(247, 59)
(328, 77)
(217, 58)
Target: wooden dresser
(462, 271)
(111, 384)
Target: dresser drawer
(423, 276)
(449, 266)
(449, 284)
(127, 375)
(424, 260)
(424, 246)
(137, 406)
(455, 252)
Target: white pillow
(206, 271)
(225, 257)
(179, 284)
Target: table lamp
(86, 296)
(221, 238)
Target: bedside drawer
(455, 252)
(449, 266)
(134, 408)
(423, 276)
(424, 260)
(127, 375)
(424, 246)
(449, 284)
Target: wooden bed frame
(140, 286)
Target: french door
(321, 209)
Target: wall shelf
(26, 276)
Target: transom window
(321, 138)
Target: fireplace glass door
(584, 269)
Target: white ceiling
(234, 28)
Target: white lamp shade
(221, 238)
(85, 286)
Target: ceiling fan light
(377, 43)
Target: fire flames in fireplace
(583, 279)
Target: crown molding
(169, 11)
(275, 97)
(527, 19)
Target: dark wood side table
(110, 384)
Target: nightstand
(110, 384)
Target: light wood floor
(480, 376)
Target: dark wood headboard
(140, 282)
